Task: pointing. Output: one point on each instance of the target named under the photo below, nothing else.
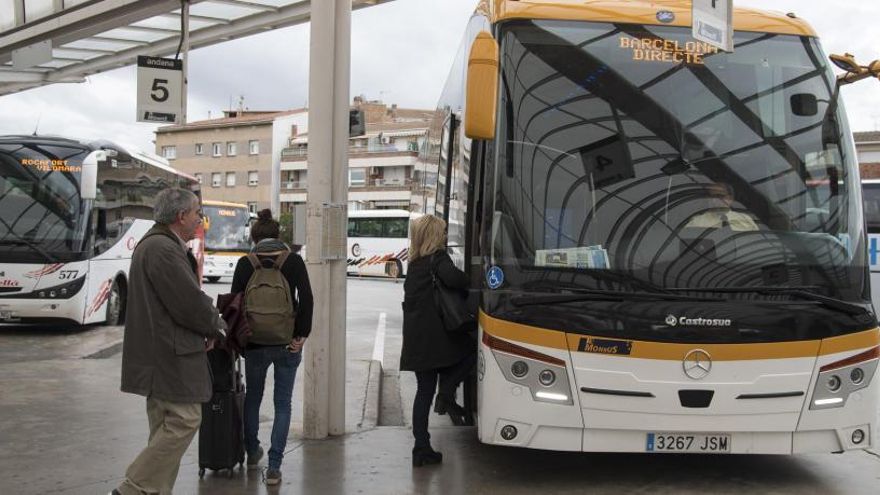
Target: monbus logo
(673, 321)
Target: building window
(169, 152)
(200, 149)
(253, 178)
(357, 177)
(252, 207)
(216, 179)
(254, 147)
(230, 179)
(231, 149)
(199, 178)
(217, 149)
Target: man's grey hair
(170, 202)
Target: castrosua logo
(674, 321)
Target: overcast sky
(401, 53)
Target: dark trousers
(449, 378)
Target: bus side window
(395, 228)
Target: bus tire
(116, 304)
(394, 269)
(213, 280)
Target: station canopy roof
(50, 41)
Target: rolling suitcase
(221, 436)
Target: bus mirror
(845, 62)
(88, 186)
(482, 88)
(804, 104)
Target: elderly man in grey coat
(169, 322)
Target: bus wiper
(576, 295)
(599, 274)
(33, 246)
(802, 292)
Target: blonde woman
(428, 349)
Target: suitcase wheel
(201, 473)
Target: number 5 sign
(159, 89)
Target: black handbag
(451, 304)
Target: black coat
(426, 344)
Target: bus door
(871, 197)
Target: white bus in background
(71, 214)
(227, 237)
(871, 198)
(378, 242)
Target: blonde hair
(427, 234)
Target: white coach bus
(666, 241)
(378, 242)
(71, 213)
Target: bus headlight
(519, 369)
(547, 377)
(833, 391)
(856, 376)
(549, 385)
(64, 291)
(833, 383)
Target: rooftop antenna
(37, 127)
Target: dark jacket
(294, 270)
(167, 320)
(426, 344)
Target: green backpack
(268, 303)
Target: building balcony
(301, 154)
(367, 185)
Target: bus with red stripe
(71, 214)
(378, 243)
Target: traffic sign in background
(159, 89)
(713, 22)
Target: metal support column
(329, 73)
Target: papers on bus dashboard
(578, 257)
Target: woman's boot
(445, 404)
(425, 455)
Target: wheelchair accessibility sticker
(494, 277)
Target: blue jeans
(256, 365)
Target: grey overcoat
(167, 320)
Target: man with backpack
(278, 307)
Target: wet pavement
(66, 428)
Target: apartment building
(868, 151)
(380, 163)
(233, 156)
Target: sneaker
(273, 476)
(253, 460)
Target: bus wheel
(213, 280)
(395, 269)
(115, 305)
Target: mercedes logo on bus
(697, 364)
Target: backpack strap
(279, 261)
(255, 262)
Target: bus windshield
(226, 228)
(639, 151)
(42, 218)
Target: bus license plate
(5, 315)
(698, 442)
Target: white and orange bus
(666, 240)
(227, 237)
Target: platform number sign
(159, 89)
(713, 23)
